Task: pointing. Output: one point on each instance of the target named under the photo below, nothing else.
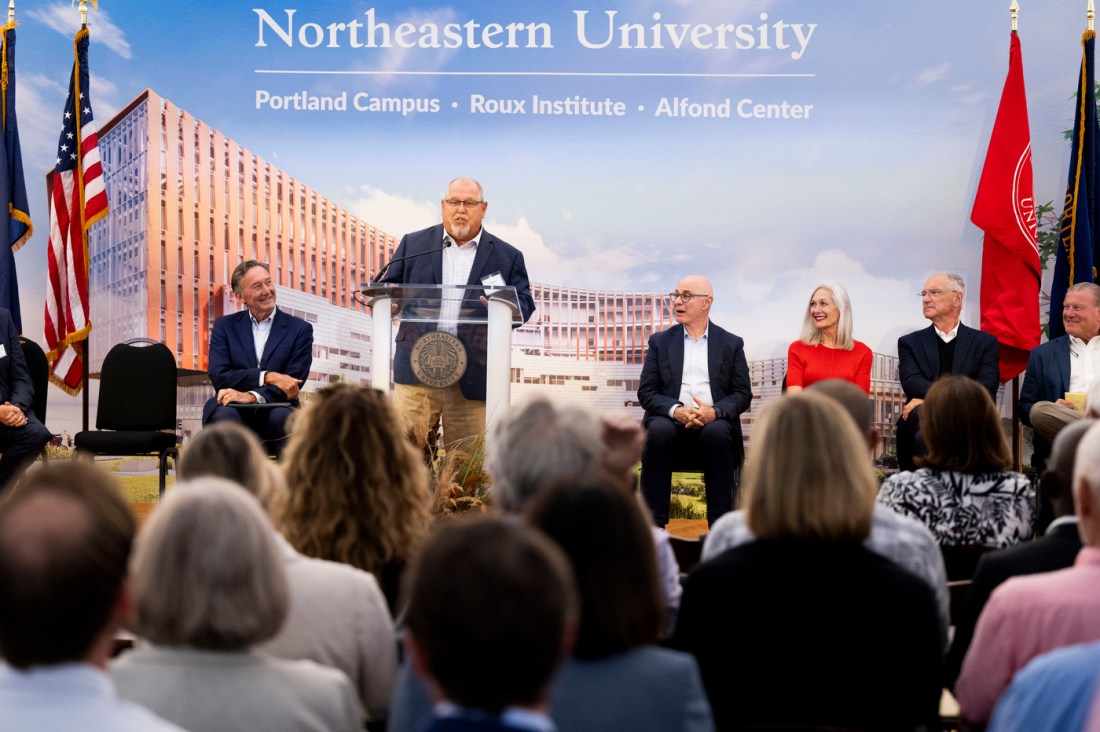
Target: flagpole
(1013, 10)
(85, 406)
(1091, 14)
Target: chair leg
(163, 471)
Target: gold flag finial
(84, 10)
(1014, 11)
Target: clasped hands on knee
(287, 384)
(695, 417)
(11, 415)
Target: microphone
(374, 278)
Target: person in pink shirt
(1029, 616)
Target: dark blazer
(493, 256)
(1047, 376)
(919, 360)
(289, 350)
(16, 386)
(466, 724)
(644, 689)
(1056, 550)
(663, 372)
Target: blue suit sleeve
(223, 373)
(19, 377)
(650, 386)
(517, 278)
(739, 397)
(1029, 392)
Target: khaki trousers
(424, 407)
(1048, 419)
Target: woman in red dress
(826, 349)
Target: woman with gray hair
(207, 586)
(826, 349)
(338, 615)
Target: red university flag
(78, 198)
(1004, 209)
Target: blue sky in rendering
(873, 188)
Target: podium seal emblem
(438, 359)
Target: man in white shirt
(259, 359)
(1069, 363)
(694, 387)
(65, 540)
(457, 252)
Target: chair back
(137, 388)
(960, 560)
(39, 369)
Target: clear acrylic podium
(421, 309)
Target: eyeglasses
(934, 293)
(685, 296)
(455, 203)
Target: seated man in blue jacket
(258, 356)
(1069, 363)
(22, 436)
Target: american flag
(78, 198)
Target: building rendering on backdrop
(189, 203)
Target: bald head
(694, 312)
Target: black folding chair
(137, 405)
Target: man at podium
(457, 252)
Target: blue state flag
(1076, 256)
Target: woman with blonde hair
(357, 490)
(770, 621)
(826, 349)
(963, 491)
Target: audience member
(901, 539)
(693, 387)
(1054, 692)
(607, 540)
(616, 679)
(945, 347)
(208, 586)
(357, 490)
(964, 493)
(1057, 549)
(826, 349)
(542, 444)
(774, 621)
(491, 611)
(337, 615)
(65, 538)
(1028, 616)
